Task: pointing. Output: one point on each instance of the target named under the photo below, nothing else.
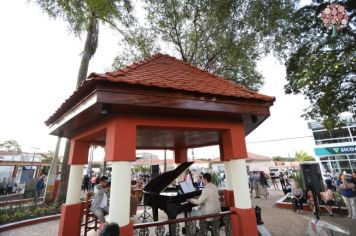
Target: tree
(47, 158)
(10, 146)
(302, 156)
(321, 67)
(225, 37)
(278, 158)
(83, 16)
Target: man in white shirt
(208, 200)
(100, 206)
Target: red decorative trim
(127, 230)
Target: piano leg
(155, 213)
(173, 228)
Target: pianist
(100, 206)
(208, 200)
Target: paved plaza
(278, 221)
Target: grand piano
(171, 200)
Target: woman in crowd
(345, 185)
(328, 199)
(298, 197)
(263, 185)
(310, 201)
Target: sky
(39, 60)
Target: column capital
(78, 154)
(120, 140)
(232, 144)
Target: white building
(335, 149)
(254, 162)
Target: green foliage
(78, 12)
(320, 67)
(278, 158)
(224, 37)
(22, 212)
(302, 156)
(10, 146)
(142, 169)
(297, 178)
(47, 157)
(215, 178)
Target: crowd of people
(343, 184)
(10, 186)
(258, 183)
(7, 186)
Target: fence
(159, 228)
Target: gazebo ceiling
(160, 86)
(153, 138)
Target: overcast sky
(39, 61)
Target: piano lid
(160, 182)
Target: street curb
(23, 223)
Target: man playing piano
(208, 201)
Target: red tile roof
(164, 71)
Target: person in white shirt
(328, 178)
(100, 206)
(208, 200)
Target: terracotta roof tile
(165, 71)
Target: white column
(228, 177)
(240, 183)
(74, 184)
(119, 209)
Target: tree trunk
(91, 43)
(63, 183)
(52, 174)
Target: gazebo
(158, 103)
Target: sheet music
(190, 186)
(187, 186)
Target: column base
(243, 222)
(127, 229)
(71, 216)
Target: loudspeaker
(311, 175)
(154, 170)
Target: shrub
(22, 212)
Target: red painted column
(180, 155)
(243, 222)
(233, 149)
(71, 215)
(72, 211)
(120, 148)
